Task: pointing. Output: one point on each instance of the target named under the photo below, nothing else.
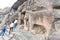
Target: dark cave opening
(56, 7)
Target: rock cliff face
(56, 2)
(3, 12)
(17, 4)
(26, 11)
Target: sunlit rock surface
(20, 34)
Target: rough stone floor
(20, 34)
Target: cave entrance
(39, 28)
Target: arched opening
(39, 28)
(22, 16)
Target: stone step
(6, 37)
(1, 38)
